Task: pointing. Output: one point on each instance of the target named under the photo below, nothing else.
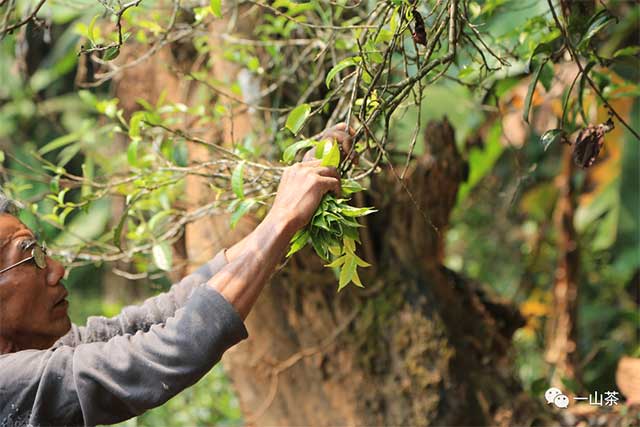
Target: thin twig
(25, 21)
(594, 87)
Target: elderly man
(55, 373)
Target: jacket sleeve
(108, 382)
(141, 317)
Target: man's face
(33, 311)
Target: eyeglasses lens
(40, 256)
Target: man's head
(33, 311)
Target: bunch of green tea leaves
(333, 230)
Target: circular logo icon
(561, 401)
(551, 394)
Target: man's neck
(7, 346)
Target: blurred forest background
(141, 137)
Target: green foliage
(216, 8)
(347, 62)
(106, 184)
(237, 180)
(162, 256)
(333, 233)
(332, 230)
(482, 160)
(596, 23)
(532, 88)
(297, 117)
(551, 136)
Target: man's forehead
(11, 226)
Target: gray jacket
(114, 369)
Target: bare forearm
(251, 263)
(253, 260)
(234, 251)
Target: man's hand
(301, 189)
(300, 192)
(253, 260)
(342, 136)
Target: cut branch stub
(433, 180)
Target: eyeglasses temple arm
(16, 264)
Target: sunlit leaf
(111, 53)
(290, 153)
(162, 256)
(627, 51)
(332, 157)
(298, 241)
(348, 62)
(91, 29)
(547, 47)
(356, 279)
(243, 207)
(88, 97)
(336, 262)
(216, 8)
(481, 160)
(350, 186)
(347, 271)
(597, 23)
(135, 123)
(549, 137)
(321, 147)
(157, 219)
(132, 152)
(360, 262)
(531, 90)
(349, 245)
(237, 180)
(297, 117)
(59, 143)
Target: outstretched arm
(141, 317)
(300, 191)
(301, 188)
(107, 382)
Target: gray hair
(7, 206)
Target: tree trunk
(420, 345)
(561, 334)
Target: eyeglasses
(38, 255)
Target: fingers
(316, 165)
(311, 163)
(328, 176)
(330, 184)
(342, 137)
(327, 171)
(309, 155)
(340, 133)
(344, 140)
(343, 127)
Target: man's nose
(55, 272)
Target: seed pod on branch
(419, 32)
(589, 142)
